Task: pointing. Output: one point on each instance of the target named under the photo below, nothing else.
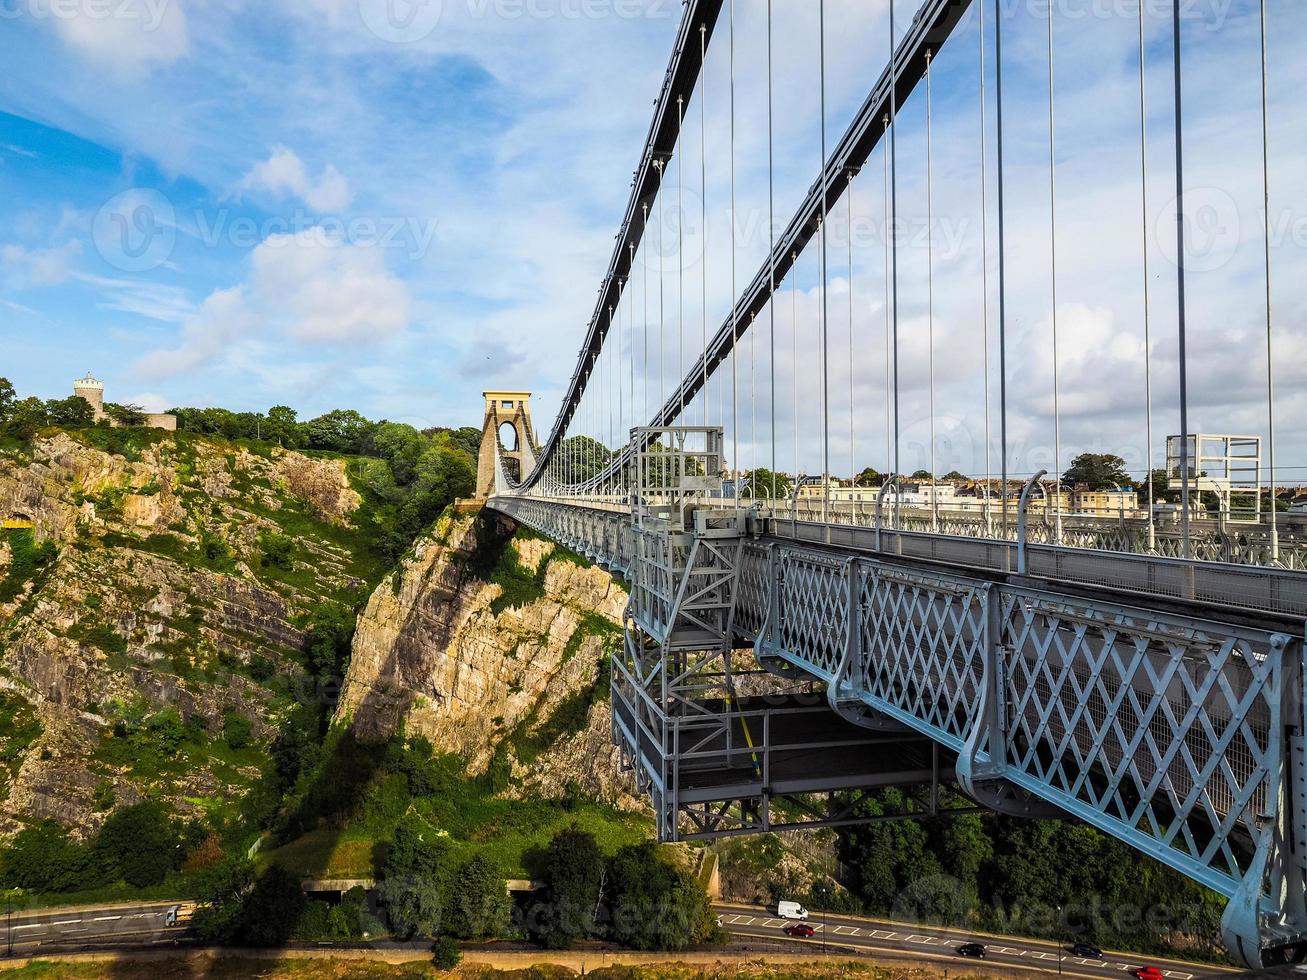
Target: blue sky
(240, 203)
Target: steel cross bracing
(1180, 734)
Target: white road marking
(845, 931)
(918, 939)
(106, 918)
(66, 922)
(34, 925)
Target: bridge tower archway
(505, 430)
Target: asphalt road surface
(937, 944)
(137, 925)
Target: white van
(791, 910)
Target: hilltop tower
(92, 390)
(508, 413)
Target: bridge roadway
(1157, 699)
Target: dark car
(971, 949)
(1087, 950)
(800, 930)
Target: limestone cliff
(148, 600)
(493, 644)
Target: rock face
(152, 608)
(506, 666)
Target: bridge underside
(1176, 732)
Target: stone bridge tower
(508, 424)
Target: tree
(282, 427)
(73, 412)
(416, 879)
(760, 482)
(27, 416)
(7, 399)
(237, 730)
(654, 903)
(479, 905)
(330, 638)
(339, 431)
(923, 475)
(869, 478)
(128, 415)
(272, 909)
(574, 878)
(1097, 471)
(220, 893)
(954, 476)
(401, 446)
(142, 842)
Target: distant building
(91, 390)
(1121, 502)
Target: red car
(800, 930)
(1148, 973)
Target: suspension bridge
(802, 631)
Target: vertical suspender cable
(771, 250)
(1148, 329)
(662, 316)
(825, 359)
(630, 333)
(644, 329)
(1002, 258)
(893, 221)
(753, 410)
(853, 455)
(930, 292)
(1266, 245)
(984, 271)
(1180, 282)
(680, 251)
(703, 216)
(889, 341)
(794, 360)
(735, 325)
(1052, 255)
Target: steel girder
(1181, 735)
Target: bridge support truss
(720, 747)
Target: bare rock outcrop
(443, 651)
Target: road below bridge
(936, 944)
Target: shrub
(237, 730)
(446, 954)
(277, 550)
(141, 843)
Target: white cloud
(127, 36)
(327, 291)
(221, 319)
(285, 173)
(307, 289)
(22, 268)
(149, 401)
